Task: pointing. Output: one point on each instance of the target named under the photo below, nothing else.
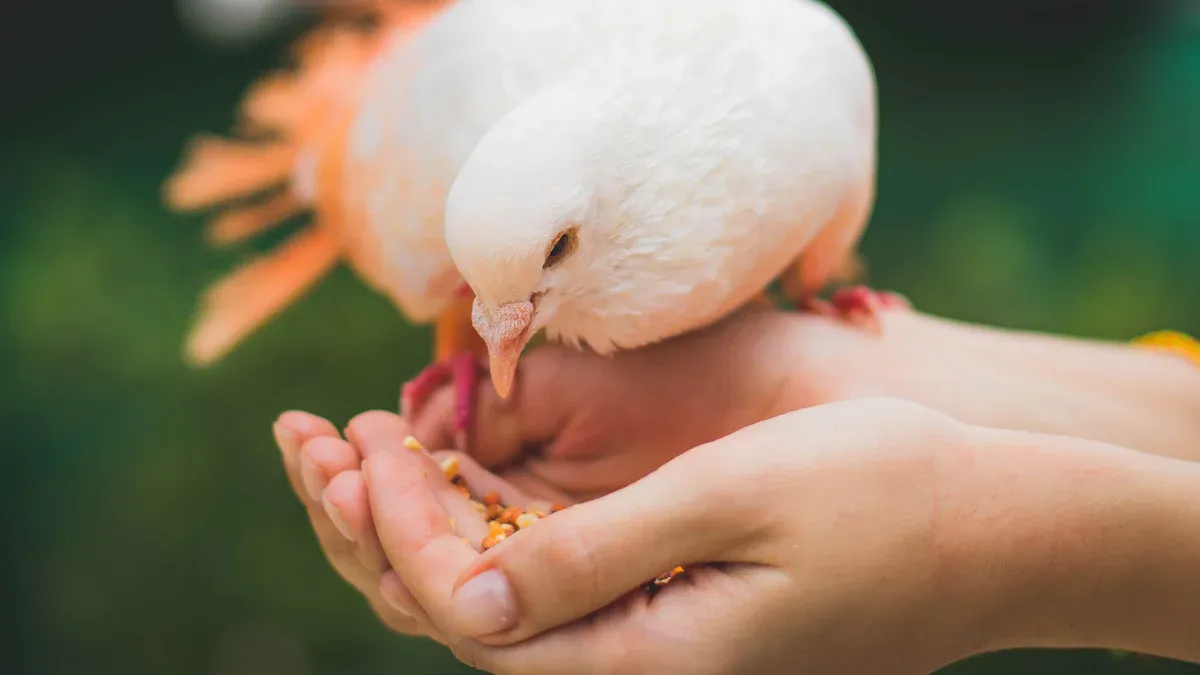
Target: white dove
(613, 172)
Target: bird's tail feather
(253, 294)
(288, 132)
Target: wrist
(1075, 544)
(952, 368)
(1113, 393)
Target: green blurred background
(1040, 169)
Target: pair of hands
(793, 517)
(845, 536)
(798, 510)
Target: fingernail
(335, 517)
(352, 436)
(310, 475)
(395, 604)
(394, 593)
(484, 605)
(284, 438)
(406, 401)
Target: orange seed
(450, 467)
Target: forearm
(1084, 545)
(1114, 393)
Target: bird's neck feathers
(700, 191)
(652, 223)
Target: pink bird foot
(463, 371)
(858, 303)
(862, 299)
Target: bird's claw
(462, 370)
(858, 304)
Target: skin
(985, 539)
(585, 453)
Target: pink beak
(506, 332)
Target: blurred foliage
(1040, 169)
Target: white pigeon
(613, 172)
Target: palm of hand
(723, 503)
(580, 426)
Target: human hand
(819, 539)
(579, 425)
(325, 472)
(816, 543)
(603, 424)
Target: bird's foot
(863, 299)
(858, 304)
(463, 370)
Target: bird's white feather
(699, 144)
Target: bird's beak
(506, 331)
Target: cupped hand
(325, 472)
(594, 424)
(579, 425)
(813, 540)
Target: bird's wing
(425, 106)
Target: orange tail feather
(217, 170)
(274, 102)
(252, 295)
(239, 224)
(302, 112)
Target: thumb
(545, 395)
(580, 560)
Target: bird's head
(577, 214)
(522, 227)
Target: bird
(607, 173)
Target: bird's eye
(563, 246)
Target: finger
(434, 423)
(393, 618)
(545, 396)
(292, 430)
(582, 559)
(468, 522)
(387, 602)
(582, 647)
(345, 501)
(483, 482)
(638, 634)
(536, 487)
(402, 602)
(398, 597)
(464, 518)
(343, 553)
(582, 475)
(414, 528)
(541, 403)
(496, 436)
(321, 459)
